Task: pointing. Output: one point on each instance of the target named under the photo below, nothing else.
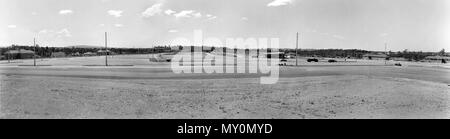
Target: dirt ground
(153, 91)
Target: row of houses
(439, 59)
(18, 54)
(28, 54)
(98, 53)
(442, 59)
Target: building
(104, 52)
(20, 54)
(291, 55)
(89, 54)
(76, 54)
(375, 56)
(58, 54)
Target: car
(283, 60)
(313, 60)
(398, 64)
(332, 61)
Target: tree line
(332, 53)
(47, 51)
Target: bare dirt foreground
(302, 92)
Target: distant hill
(84, 46)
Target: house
(89, 54)
(375, 56)
(104, 52)
(20, 54)
(291, 55)
(2, 57)
(76, 54)
(58, 54)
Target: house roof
(375, 55)
(21, 51)
(102, 51)
(438, 57)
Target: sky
(416, 25)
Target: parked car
(398, 64)
(313, 60)
(332, 61)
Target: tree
(442, 52)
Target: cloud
(277, 3)
(338, 37)
(65, 12)
(173, 31)
(115, 13)
(34, 13)
(244, 18)
(153, 10)
(64, 32)
(210, 17)
(185, 13)
(169, 12)
(384, 34)
(43, 31)
(156, 9)
(325, 34)
(12, 26)
(198, 15)
(118, 25)
(60, 33)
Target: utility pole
(34, 54)
(202, 52)
(385, 51)
(106, 49)
(296, 52)
(9, 55)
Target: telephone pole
(34, 54)
(202, 53)
(296, 52)
(385, 51)
(9, 54)
(106, 49)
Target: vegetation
(332, 53)
(329, 52)
(47, 51)
(412, 56)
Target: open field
(138, 88)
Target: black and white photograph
(224, 59)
